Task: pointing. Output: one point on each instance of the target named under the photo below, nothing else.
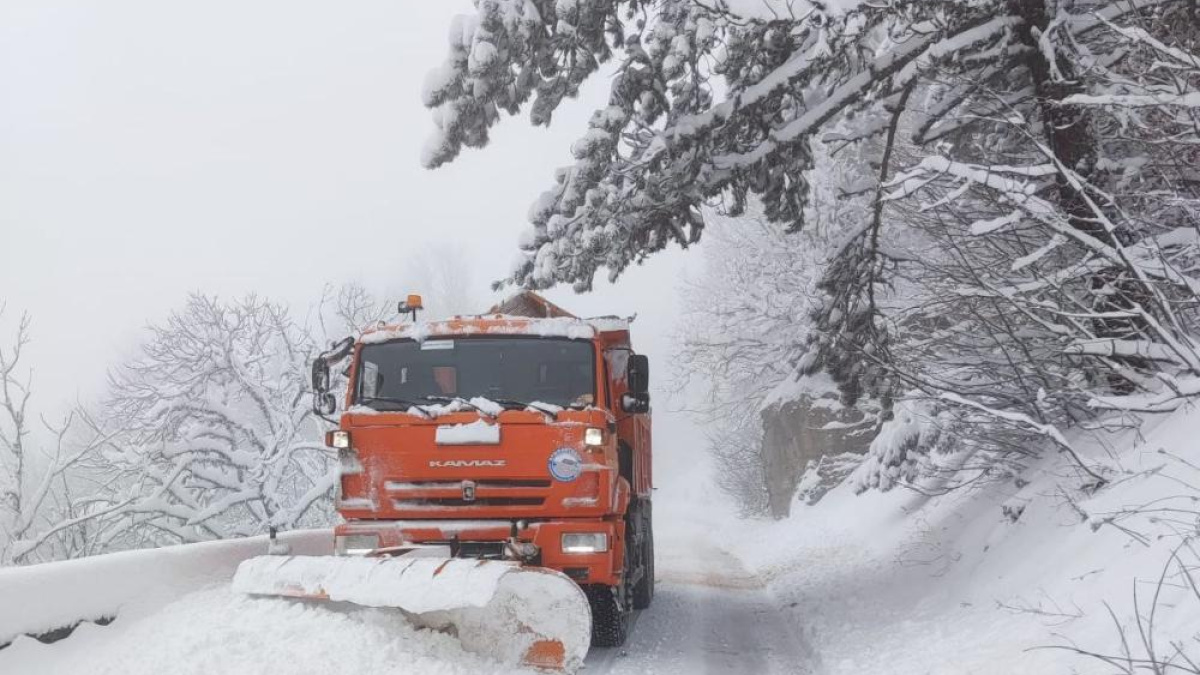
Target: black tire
(610, 620)
(643, 590)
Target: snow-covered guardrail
(60, 595)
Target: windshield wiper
(521, 405)
(398, 401)
(459, 399)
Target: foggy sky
(149, 149)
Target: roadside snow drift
(174, 611)
(1007, 576)
(61, 594)
(219, 632)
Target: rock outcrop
(803, 430)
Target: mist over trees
(51, 503)
(738, 335)
(1017, 251)
(442, 274)
(207, 432)
(972, 223)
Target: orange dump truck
(518, 438)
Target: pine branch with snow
(1025, 256)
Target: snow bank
(176, 612)
(984, 579)
(216, 631)
(40, 598)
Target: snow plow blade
(523, 616)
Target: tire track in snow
(710, 615)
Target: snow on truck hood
(496, 324)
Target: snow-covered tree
(219, 436)
(346, 310)
(1027, 257)
(664, 146)
(48, 507)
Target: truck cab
(501, 437)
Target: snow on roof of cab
(496, 324)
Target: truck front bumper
(581, 560)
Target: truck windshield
(526, 370)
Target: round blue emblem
(565, 464)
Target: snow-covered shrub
(741, 470)
(895, 452)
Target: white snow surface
(478, 432)
(562, 327)
(422, 330)
(486, 406)
(177, 612)
(886, 582)
(907, 584)
(216, 631)
(58, 594)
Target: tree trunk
(1069, 136)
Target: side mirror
(638, 374)
(320, 367)
(635, 403)
(324, 403)
(320, 377)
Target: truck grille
(445, 502)
(402, 486)
(417, 495)
(476, 549)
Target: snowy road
(709, 616)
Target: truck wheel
(610, 620)
(643, 591)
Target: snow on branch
(911, 57)
(1186, 100)
(1174, 394)
(42, 515)
(1049, 431)
(218, 426)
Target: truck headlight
(355, 544)
(338, 439)
(584, 542)
(593, 436)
